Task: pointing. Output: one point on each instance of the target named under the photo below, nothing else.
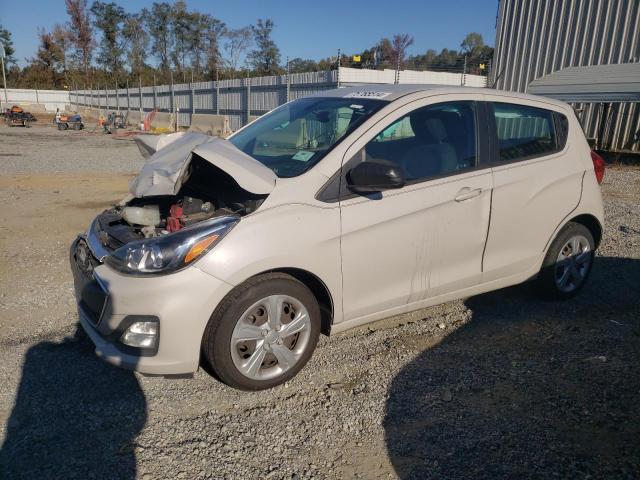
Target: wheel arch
(592, 223)
(319, 289)
(588, 220)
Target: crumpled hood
(165, 171)
(150, 144)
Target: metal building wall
(538, 37)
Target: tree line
(103, 44)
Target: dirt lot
(500, 385)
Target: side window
(429, 142)
(524, 131)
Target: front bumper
(183, 302)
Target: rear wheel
(568, 262)
(263, 332)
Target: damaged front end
(186, 198)
(189, 195)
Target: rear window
(524, 132)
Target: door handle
(467, 193)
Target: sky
(304, 28)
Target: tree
(212, 31)
(422, 62)
(399, 45)
(136, 41)
(181, 28)
(62, 39)
(5, 40)
(45, 69)
(299, 65)
(266, 56)
(449, 57)
(472, 44)
(158, 21)
(383, 54)
(108, 18)
(236, 43)
(81, 33)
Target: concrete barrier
(89, 113)
(33, 108)
(133, 118)
(162, 120)
(214, 125)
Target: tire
(77, 126)
(267, 357)
(564, 272)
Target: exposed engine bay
(206, 192)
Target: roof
(386, 91)
(618, 82)
(391, 92)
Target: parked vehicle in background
(16, 116)
(330, 212)
(64, 122)
(113, 122)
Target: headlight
(169, 253)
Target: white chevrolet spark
(329, 212)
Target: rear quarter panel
(531, 198)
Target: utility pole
(140, 94)
(463, 79)
(4, 78)
(193, 95)
(338, 79)
(155, 99)
(117, 97)
(248, 80)
(288, 80)
(217, 91)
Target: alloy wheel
(572, 264)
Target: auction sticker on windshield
(367, 94)
(303, 155)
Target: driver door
(401, 246)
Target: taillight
(598, 166)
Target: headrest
(431, 125)
(436, 129)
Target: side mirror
(375, 175)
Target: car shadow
(75, 416)
(528, 388)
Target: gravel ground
(500, 385)
(48, 150)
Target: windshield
(294, 137)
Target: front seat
(432, 155)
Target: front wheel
(263, 332)
(568, 262)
